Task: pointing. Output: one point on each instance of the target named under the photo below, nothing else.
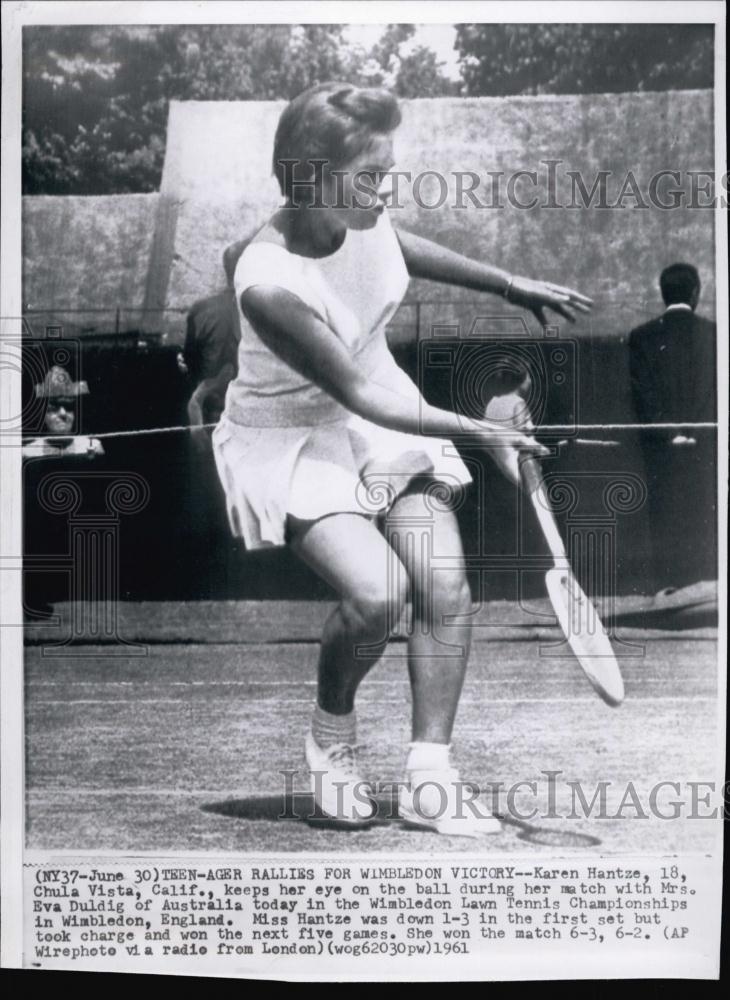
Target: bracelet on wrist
(507, 288)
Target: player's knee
(448, 592)
(376, 609)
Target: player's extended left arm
(426, 259)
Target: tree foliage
(410, 71)
(95, 99)
(498, 59)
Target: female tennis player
(325, 444)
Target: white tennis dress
(283, 445)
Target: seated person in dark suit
(673, 380)
(211, 345)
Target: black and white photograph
(364, 467)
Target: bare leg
(349, 553)
(437, 652)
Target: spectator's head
(230, 259)
(346, 129)
(61, 395)
(680, 283)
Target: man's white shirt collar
(678, 305)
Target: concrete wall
(85, 255)
(217, 187)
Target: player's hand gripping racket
(576, 614)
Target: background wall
(218, 187)
(164, 251)
(89, 255)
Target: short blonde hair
(331, 122)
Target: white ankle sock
(328, 729)
(428, 756)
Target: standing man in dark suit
(673, 380)
(211, 347)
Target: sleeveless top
(355, 291)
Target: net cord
(545, 429)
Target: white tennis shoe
(340, 792)
(439, 800)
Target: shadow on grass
(300, 808)
(296, 808)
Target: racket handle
(534, 486)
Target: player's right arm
(294, 332)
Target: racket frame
(601, 668)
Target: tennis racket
(576, 615)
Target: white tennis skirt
(351, 466)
